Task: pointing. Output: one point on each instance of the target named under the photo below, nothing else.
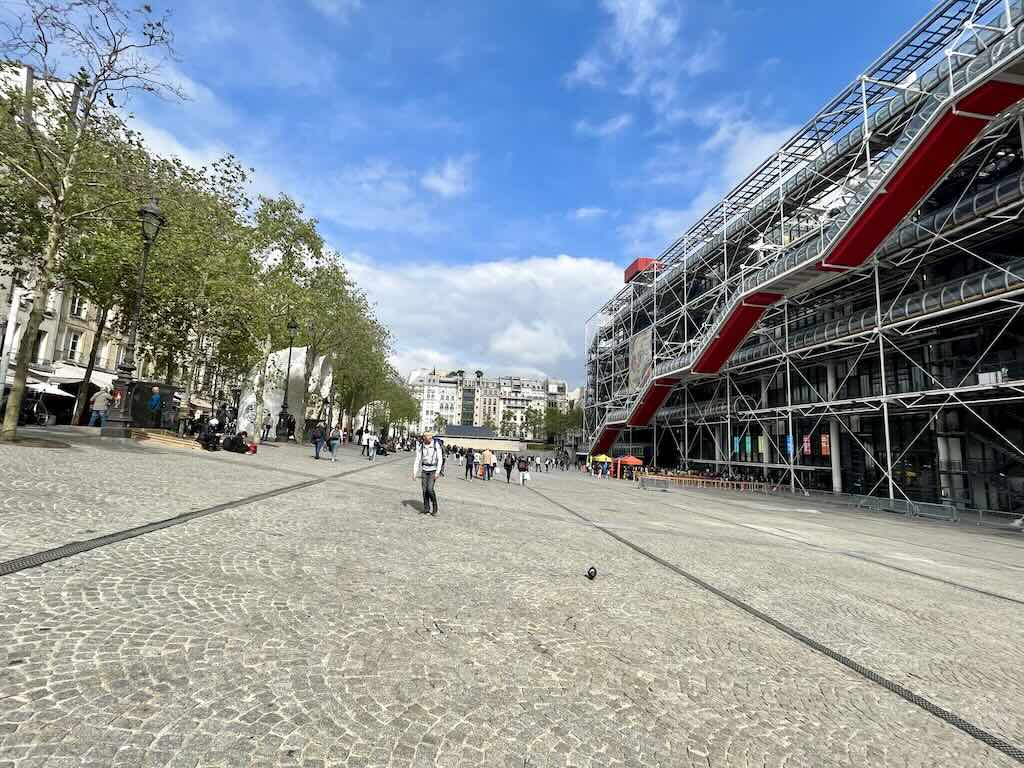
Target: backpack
(509, 462)
(523, 465)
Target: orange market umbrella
(631, 461)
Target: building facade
(470, 398)
(847, 318)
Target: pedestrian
(428, 465)
(268, 422)
(371, 445)
(524, 470)
(470, 460)
(365, 440)
(153, 407)
(488, 461)
(99, 404)
(509, 464)
(291, 427)
(494, 464)
(317, 436)
(332, 442)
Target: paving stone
(336, 626)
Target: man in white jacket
(428, 466)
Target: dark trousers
(427, 480)
(508, 474)
(266, 433)
(317, 445)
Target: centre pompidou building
(848, 319)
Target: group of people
(323, 438)
(484, 464)
(99, 408)
(431, 456)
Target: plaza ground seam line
(991, 740)
(856, 556)
(894, 519)
(70, 549)
(862, 558)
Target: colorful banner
(735, 445)
(762, 447)
(807, 445)
(789, 445)
(826, 445)
(748, 447)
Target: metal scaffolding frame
(771, 254)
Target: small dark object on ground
(591, 573)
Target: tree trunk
(9, 432)
(186, 401)
(261, 385)
(307, 374)
(83, 389)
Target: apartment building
(470, 398)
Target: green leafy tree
(86, 56)
(508, 424)
(288, 247)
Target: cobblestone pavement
(335, 625)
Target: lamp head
(152, 219)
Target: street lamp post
(282, 418)
(119, 424)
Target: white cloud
(452, 178)
(643, 46)
(509, 315)
(613, 126)
(538, 343)
(589, 70)
(337, 9)
(650, 232)
(735, 145)
(586, 214)
(376, 196)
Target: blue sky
(489, 168)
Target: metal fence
(950, 513)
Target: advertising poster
(641, 355)
(826, 446)
(807, 445)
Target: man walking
(318, 440)
(371, 445)
(488, 460)
(509, 464)
(470, 460)
(98, 404)
(524, 470)
(427, 466)
(268, 422)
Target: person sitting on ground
(237, 443)
(208, 437)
